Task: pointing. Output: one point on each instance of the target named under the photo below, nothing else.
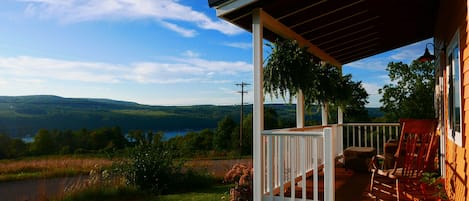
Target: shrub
(151, 167)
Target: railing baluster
(315, 166)
(270, 168)
(348, 136)
(377, 139)
(366, 135)
(303, 168)
(281, 167)
(384, 140)
(397, 134)
(292, 168)
(359, 136)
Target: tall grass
(105, 193)
(47, 167)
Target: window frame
(454, 52)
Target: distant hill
(25, 115)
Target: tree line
(221, 141)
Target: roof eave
(224, 7)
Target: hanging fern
(291, 68)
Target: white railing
(369, 134)
(290, 156)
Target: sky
(155, 52)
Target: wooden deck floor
(350, 186)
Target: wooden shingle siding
(452, 16)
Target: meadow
(99, 187)
(50, 166)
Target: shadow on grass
(214, 193)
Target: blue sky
(157, 52)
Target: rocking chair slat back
(416, 147)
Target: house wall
(452, 16)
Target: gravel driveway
(34, 190)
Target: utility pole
(242, 92)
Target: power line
(242, 92)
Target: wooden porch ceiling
(347, 30)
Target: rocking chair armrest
(375, 161)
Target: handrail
(282, 132)
(370, 124)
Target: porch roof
(346, 30)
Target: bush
(151, 167)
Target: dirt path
(218, 168)
(35, 190)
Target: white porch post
(340, 132)
(324, 112)
(340, 128)
(258, 107)
(300, 110)
(340, 113)
(340, 116)
(329, 165)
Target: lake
(167, 135)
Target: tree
(410, 95)
(11, 148)
(271, 120)
(224, 139)
(44, 143)
(354, 107)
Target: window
(454, 91)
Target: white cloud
(371, 88)
(190, 53)
(220, 67)
(239, 45)
(184, 32)
(378, 64)
(410, 52)
(3, 83)
(374, 96)
(182, 70)
(72, 11)
(406, 55)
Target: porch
(336, 32)
(311, 157)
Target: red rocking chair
(415, 154)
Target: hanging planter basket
(291, 68)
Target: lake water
(167, 135)
(171, 134)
